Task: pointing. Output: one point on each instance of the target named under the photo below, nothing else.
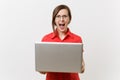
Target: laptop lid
(58, 57)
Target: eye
(58, 16)
(61, 16)
(64, 16)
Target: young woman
(61, 33)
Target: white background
(22, 22)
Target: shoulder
(47, 37)
(76, 37)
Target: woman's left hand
(83, 67)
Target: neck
(62, 35)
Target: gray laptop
(58, 57)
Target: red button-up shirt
(70, 37)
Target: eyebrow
(62, 15)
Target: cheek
(68, 21)
(55, 22)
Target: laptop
(58, 57)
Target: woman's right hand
(42, 72)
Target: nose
(61, 18)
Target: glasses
(63, 17)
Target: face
(62, 20)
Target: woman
(61, 33)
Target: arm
(83, 64)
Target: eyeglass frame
(63, 16)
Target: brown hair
(55, 12)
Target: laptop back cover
(58, 57)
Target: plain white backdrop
(22, 22)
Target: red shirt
(70, 37)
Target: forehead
(63, 12)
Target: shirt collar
(55, 34)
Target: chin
(63, 30)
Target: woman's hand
(83, 67)
(42, 72)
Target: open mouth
(61, 24)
